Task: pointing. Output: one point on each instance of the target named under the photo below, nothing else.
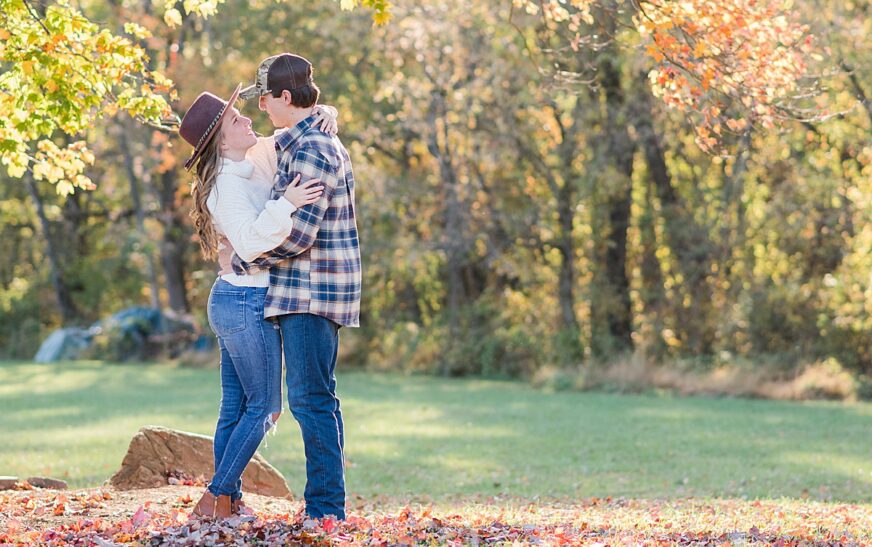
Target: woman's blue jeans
(251, 376)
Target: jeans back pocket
(226, 312)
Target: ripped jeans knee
(270, 423)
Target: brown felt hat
(202, 120)
(282, 71)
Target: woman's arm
(250, 232)
(326, 118)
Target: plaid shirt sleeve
(310, 163)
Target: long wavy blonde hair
(205, 173)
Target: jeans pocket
(227, 312)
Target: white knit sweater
(242, 211)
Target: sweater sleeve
(251, 232)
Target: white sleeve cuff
(280, 207)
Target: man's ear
(286, 95)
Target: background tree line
(526, 198)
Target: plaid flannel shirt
(317, 268)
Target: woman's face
(236, 132)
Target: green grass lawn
(429, 439)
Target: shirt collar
(289, 137)
(242, 168)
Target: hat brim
(250, 92)
(216, 125)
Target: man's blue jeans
(251, 376)
(310, 345)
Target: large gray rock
(156, 453)
(63, 345)
(141, 333)
(130, 334)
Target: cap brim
(215, 127)
(250, 92)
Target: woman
(231, 194)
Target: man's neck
(297, 115)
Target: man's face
(276, 108)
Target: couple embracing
(279, 214)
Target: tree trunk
(651, 293)
(619, 149)
(566, 194)
(453, 241)
(139, 213)
(620, 318)
(567, 275)
(688, 241)
(173, 245)
(69, 312)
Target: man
(315, 276)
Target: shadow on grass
(412, 435)
(88, 393)
(578, 445)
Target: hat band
(211, 126)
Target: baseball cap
(282, 71)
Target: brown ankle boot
(238, 507)
(211, 506)
(223, 508)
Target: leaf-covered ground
(161, 517)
